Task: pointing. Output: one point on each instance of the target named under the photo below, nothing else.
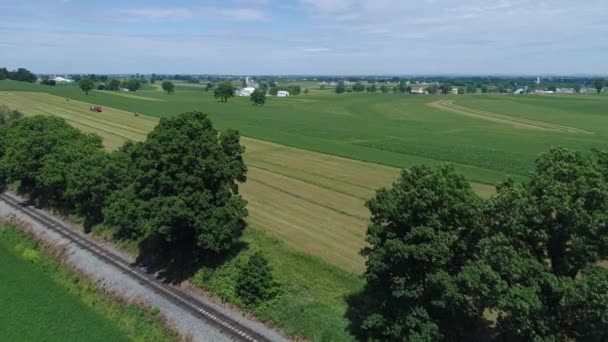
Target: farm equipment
(96, 109)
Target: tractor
(96, 109)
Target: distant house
(60, 79)
(565, 91)
(519, 91)
(417, 90)
(123, 89)
(282, 93)
(455, 91)
(247, 91)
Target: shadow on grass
(174, 265)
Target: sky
(304, 37)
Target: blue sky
(306, 36)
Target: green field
(42, 301)
(392, 129)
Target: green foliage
(64, 305)
(422, 230)
(599, 84)
(224, 91)
(185, 188)
(255, 281)
(440, 260)
(258, 97)
(133, 84)
(358, 87)
(340, 88)
(7, 115)
(168, 86)
(86, 85)
(21, 74)
(114, 84)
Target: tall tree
(168, 86)
(133, 84)
(254, 282)
(340, 88)
(258, 97)
(185, 191)
(86, 85)
(537, 268)
(224, 91)
(422, 231)
(599, 84)
(113, 84)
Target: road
(229, 325)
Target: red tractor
(96, 109)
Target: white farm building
(60, 79)
(282, 93)
(247, 91)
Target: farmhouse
(247, 91)
(519, 91)
(417, 90)
(282, 93)
(60, 79)
(565, 90)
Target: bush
(254, 282)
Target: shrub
(254, 282)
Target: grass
(43, 300)
(310, 293)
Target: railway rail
(228, 326)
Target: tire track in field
(449, 106)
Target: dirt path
(449, 106)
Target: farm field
(393, 129)
(43, 310)
(297, 194)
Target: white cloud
(183, 13)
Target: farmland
(62, 306)
(313, 201)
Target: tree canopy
(255, 281)
(133, 84)
(258, 97)
(86, 85)
(224, 91)
(599, 84)
(184, 190)
(523, 265)
(168, 86)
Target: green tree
(86, 85)
(168, 86)
(29, 143)
(385, 89)
(113, 84)
(209, 86)
(224, 91)
(422, 231)
(305, 91)
(599, 84)
(3, 73)
(402, 86)
(538, 265)
(258, 97)
(133, 84)
(254, 282)
(358, 87)
(340, 88)
(7, 115)
(93, 178)
(184, 194)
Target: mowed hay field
(35, 308)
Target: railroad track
(222, 322)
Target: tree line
(443, 264)
(20, 74)
(176, 192)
